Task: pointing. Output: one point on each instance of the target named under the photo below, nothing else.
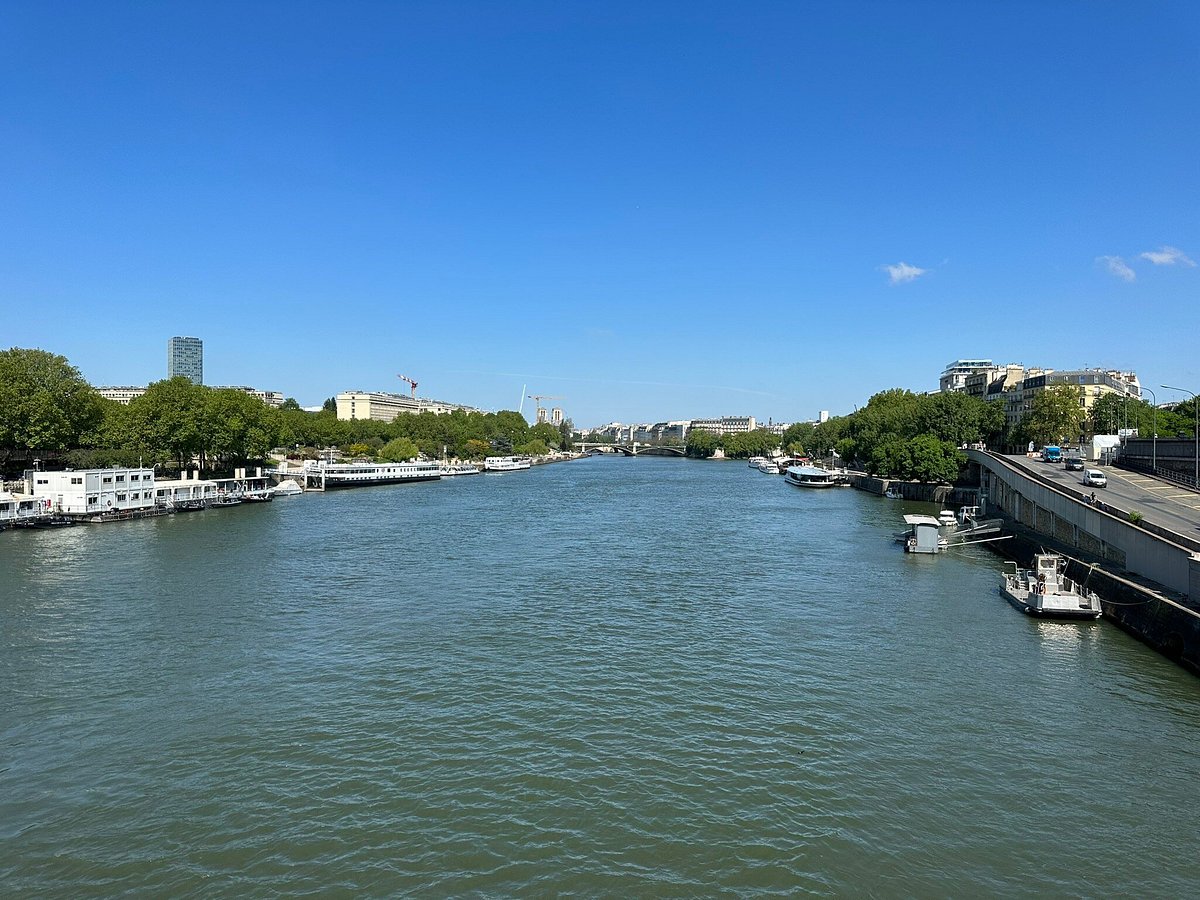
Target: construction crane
(412, 383)
(537, 402)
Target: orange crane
(412, 383)
(537, 402)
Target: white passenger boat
(506, 463)
(1045, 590)
(757, 461)
(810, 477)
(450, 470)
(769, 467)
(340, 475)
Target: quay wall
(1050, 511)
(917, 490)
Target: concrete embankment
(944, 494)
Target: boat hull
(336, 483)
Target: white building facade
(94, 491)
(384, 407)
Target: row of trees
(899, 434)
(703, 444)
(48, 409)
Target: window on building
(108, 479)
(120, 498)
(73, 481)
(92, 501)
(120, 478)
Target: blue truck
(1051, 454)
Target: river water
(609, 676)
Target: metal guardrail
(1171, 475)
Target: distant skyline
(651, 210)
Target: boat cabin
(923, 535)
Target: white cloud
(902, 272)
(1167, 256)
(1117, 266)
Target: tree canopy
(45, 403)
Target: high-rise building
(185, 356)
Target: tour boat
(1045, 590)
(449, 470)
(769, 467)
(360, 474)
(506, 463)
(757, 461)
(810, 476)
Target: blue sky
(654, 210)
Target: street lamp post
(1196, 415)
(1154, 428)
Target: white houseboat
(97, 494)
(185, 493)
(19, 510)
(324, 475)
(506, 463)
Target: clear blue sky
(654, 210)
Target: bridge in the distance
(632, 449)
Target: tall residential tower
(185, 356)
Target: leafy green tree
(359, 450)
(330, 405)
(290, 403)
(546, 433)
(1056, 414)
(45, 403)
(399, 450)
(701, 444)
(169, 419)
(533, 447)
(474, 449)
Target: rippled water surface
(608, 676)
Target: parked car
(1095, 478)
(1073, 464)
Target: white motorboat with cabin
(810, 477)
(507, 463)
(969, 523)
(287, 488)
(756, 461)
(361, 474)
(770, 467)
(1045, 590)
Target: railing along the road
(1179, 478)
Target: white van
(1095, 478)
